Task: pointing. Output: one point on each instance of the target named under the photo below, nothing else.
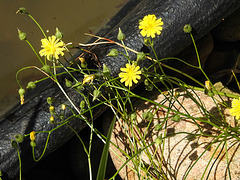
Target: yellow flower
(208, 85)
(32, 136)
(52, 48)
(150, 26)
(235, 110)
(129, 74)
(88, 78)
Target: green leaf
(104, 158)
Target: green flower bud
(158, 127)
(31, 85)
(106, 70)
(149, 87)
(21, 91)
(22, 35)
(146, 82)
(141, 56)
(14, 144)
(133, 116)
(46, 68)
(120, 35)
(158, 141)
(176, 118)
(58, 34)
(82, 105)
(68, 83)
(113, 53)
(148, 116)
(49, 101)
(187, 28)
(33, 143)
(84, 65)
(96, 94)
(19, 138)
(21, 10)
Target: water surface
(72, 17)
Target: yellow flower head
(88, 78)
(235, 110)
(129, 74)
(208, 85)
(150, 26)
(32, 136)
(52, 48)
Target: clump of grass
(119, 98)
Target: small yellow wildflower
(32, 136)
(129, 74)
(208, 85)
(150, 26)
(52, 48)
(88, 78)
(235, 110)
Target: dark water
(72, 17)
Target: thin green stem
(20, 164)
(34, 51)
(37, 24)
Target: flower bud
(208, 85)
(21, 91)
(158, 141)
(88, 78)
(63, 107)
(149, 87)
(148, 116)
(33, 143)
(146, 82)
(83, 62)
(82, 105)
(187, 28)
(96, 94)
(68, 83)
(51, 109)
(19, 138)
(141, 56)
(22, 35)
(21, 10)
(176, 118)
(49, 101)
(133, 116)
(58, 34)
(120, 35)
(51, 120)
(81, 59)
(106, 70)
(31, 85)
(14, 144)
(46, 68)
(113, 53)
(32, 136)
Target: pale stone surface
(181, 150)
